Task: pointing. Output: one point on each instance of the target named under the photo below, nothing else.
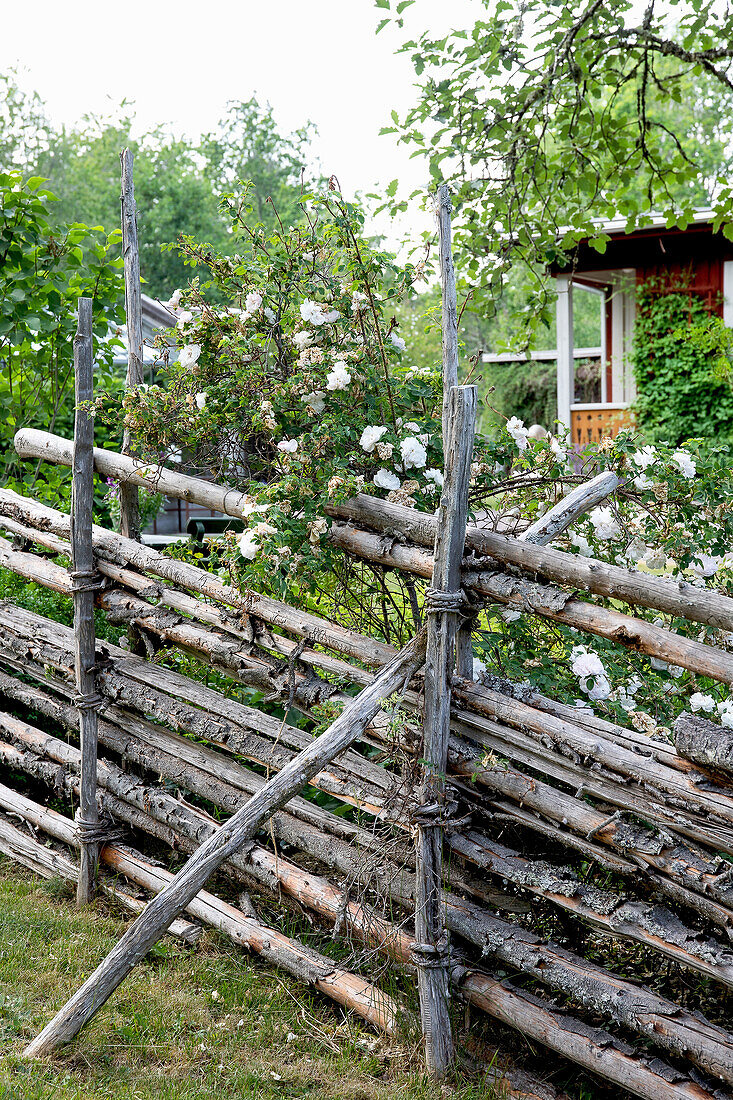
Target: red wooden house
(697, 255)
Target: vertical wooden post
(129, 495)
(443, 603)
(83, 576)
(464, 648)
(158, 914)
(449, 303)
(565, 349)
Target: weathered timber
(83, 580)
(650, 924)
(547, 602)
(339, 844)
(678, 1030)
(443, 605)
(704, 741)
(30, 442)
(449, 331)
(49, 863)
(228, 839)
(606, 910)
(302, 962)
(122, 551)
(644, 1012)
(679, 598)
(579, 501)
(129, 502)
(571, 738)
(221, 721)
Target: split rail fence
(656, 816)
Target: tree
(179, 183)
(549, 117)
(45, 267)
(248, 146)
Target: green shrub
(680, 391)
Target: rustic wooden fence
(658, 817)
(511, 753)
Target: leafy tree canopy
(547, 117)
(179, 184)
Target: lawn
(188, 1022)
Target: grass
(189, 1023)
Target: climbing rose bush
(286, 376)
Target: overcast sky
(180, 62)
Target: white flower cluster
(316, 314)
(705, 704)
(605, 524)
(647, 456)
(339, 377)
(590, 670)
(248, 543)
(518, 432)
(188, 356)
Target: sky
(317, 60)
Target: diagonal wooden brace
(241, 828)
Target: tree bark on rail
(148, 928)
(647, 1013)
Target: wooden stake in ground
(83, 578)
(449, 326)
(230, 838)
(443, 603)
(129, 496)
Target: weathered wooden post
(229, 838)
(83, 578)
(129, 495)
(464, 647)
(443, 603)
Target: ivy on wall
(681, 391)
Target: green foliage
(179, 183)
(275, 390)
(45, 267)
(522, 387)
(680, 358)
(547, 119)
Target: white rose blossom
(557, 449)
(371, 436)
(686, 463)
(644, 458)
(397, 342)
(175, 300)
(201, 399)
(385, 479)
(253, 301)
(700, 702)
(414, 455)
(248, 545)
(315, 400)
(359, 301)
(302, 339)
(605, 524)
(189, 355)
(434, 475)
(725, 710)
(317, 314)
(288, 446)
(338, 378)
(184, 318)
(518, 432)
